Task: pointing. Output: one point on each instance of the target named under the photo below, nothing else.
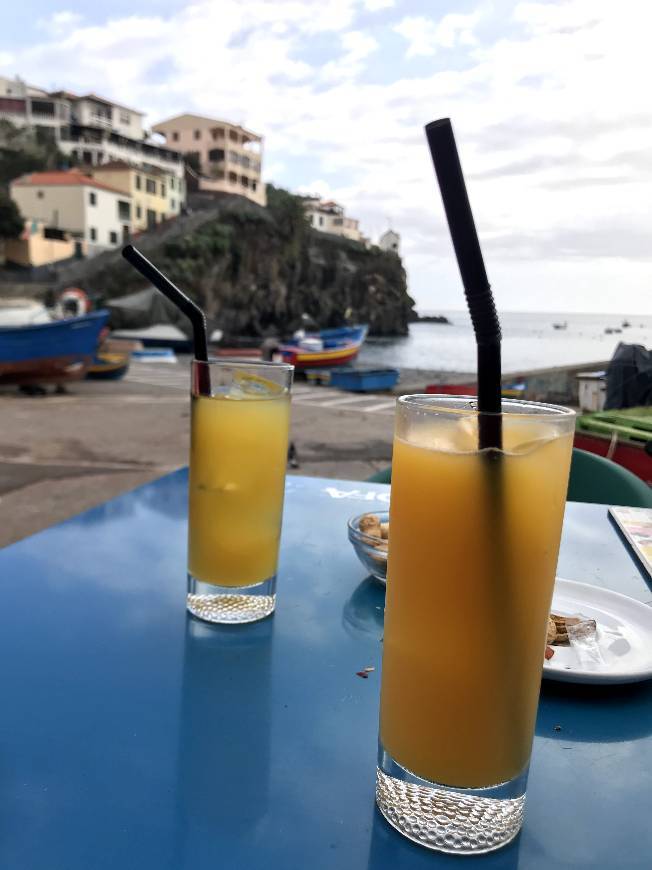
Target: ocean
(529, 341)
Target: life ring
(73, 302)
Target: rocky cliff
(258, 271)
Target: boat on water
(51, 352)
(328, 347)
(563, 325)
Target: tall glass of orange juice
(239, 431)
(473, 546)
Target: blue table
(134, 737)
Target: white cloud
(357, 47)
(60, 22)
(377, 5)
(552, 120)
(425, 36)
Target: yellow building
(155, 195)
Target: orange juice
(472, 559)
(237, 475)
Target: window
(233, 178)
(218, 133)
(193, 159)
(321, 221)
(139, 212)
(124, 210)
(172, 184)
(234, 157)
(244, 181)
(233, 136)
(43, 107)
(113, 238)
(125, 118)
(216, 155)
(39, 194)
(175, 136)
(197, 134)
(337, 222)
(162, 190)
(54, 233)
(138, 182)
(150, 185)
(254, 185)
(92, 234)
(173, 204)
(151, 218)
(92, 198)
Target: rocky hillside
(257, 271)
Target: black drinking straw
(482, 309)
(192, 311)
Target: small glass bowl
(373, 558)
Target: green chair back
(592, 479)
(601, 481)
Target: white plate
(623, 651)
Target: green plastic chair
(592, 479)
(600, 481)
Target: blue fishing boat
(52, 352)
(328, 347)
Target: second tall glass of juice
(474, 540)
(238, 454)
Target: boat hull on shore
(624, 436)
(332, 347)
(54, 352)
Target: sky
(549, 102)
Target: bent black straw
(482, 309)
(192, 311)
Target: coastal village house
(155, 195)
(221, 157)
(39, 244)
(328, 217)
(89, 129)
(25, 105)
(96, 215)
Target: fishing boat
(148, 317)
(562, 325)
(328, 347)
(108, 366)
(513, 390)
(23, 312)
(364, 380)
(53, 352)
(624, 436)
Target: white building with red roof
(95, 214)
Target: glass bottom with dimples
(231, 604)
(460, 821)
